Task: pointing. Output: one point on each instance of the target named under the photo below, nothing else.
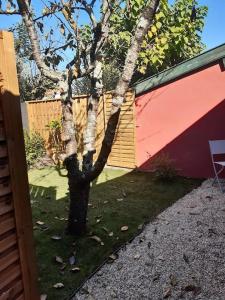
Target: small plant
(34, 147)
(163, 167)
(54, 144)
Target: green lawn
(140, 200)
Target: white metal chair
(217, 147)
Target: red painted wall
(179, 118)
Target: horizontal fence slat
(7, 225)
(9, 275)
(8, 242)
(9, 259)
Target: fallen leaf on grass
(40, 223)
(124, 228)
(105, 229)
(43, 297)
(60, 218)
(75, 270)
(72, 260)
(56, 237)
(111, 233)
(140, 227)
(113, 256)
(119, 199)
(58, 285)
(97, 239)
(59, 259)
(124, 194)
(105, 202)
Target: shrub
(163, 167)
(34, 147)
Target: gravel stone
(181, 255)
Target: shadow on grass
(131, 199)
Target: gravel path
(181, 255)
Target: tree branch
(25, 11)
(143, 24)
(8, 12)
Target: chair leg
(218, 180)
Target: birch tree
(86, 46)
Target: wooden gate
(17, 262)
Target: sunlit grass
(140, 200)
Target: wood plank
(5, 187)
(20, 297)
(4, 170)
(7, 225)
(15, 289)
(9, 275)
(9, 259)
(5, 207)
(8, 242)
(3, 150)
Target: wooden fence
(41, 112)
(17, 264)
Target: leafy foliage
(34, 147)
(174, 36)
(31, 84)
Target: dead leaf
(167, 293)
(58, 285)
(119, 199)
(140, 227)
(72, 260)
(173, 280)
(192, 288)
(56, 237)
(43, 297)
(113, 256)
(40, 223)
(98, 221)
(124, 194)
(105, 202)
(186, 258)
(59, 259)
(124, 228)
(75, 270)
(105, 229)
(111, 233)
(97, 239)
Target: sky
(213, 34)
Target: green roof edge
(187, 66)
